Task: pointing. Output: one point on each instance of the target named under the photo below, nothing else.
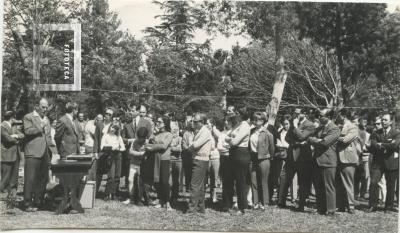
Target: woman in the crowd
(349, 147)
(280, 154)
(240, 157)
(261, 149)
(112, 146)
(161, 147)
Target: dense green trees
(316, 54)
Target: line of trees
(316, 54)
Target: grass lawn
(114, 214)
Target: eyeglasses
(196, 121)
(159, 122)
(143, 112)
(377, 123)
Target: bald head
(42, 107)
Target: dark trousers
(147, 176)
(226, 172)
(260, 170)
(187, 164)
(240, 165)
(304, 175)
(163, 188)
(345, 186)
(102, 167)
(361, 179)
(274, 175)
(92, 171)
(391, 178)
(125, 167)
(9, 178)
(176, 170)
(36, 174)
(324, 183)
(114, 173)
(198, 184)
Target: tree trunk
(339, 54)
(280, 77)
(21, 47)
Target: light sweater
(202, 144)
(241, 135)
(113, 141)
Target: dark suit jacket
(384, 157)
(67, 136)
(98, 134)
(298, 152)
(325, 152)
(128, 132)
(9, 145)
(37, 138)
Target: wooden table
(70, 174)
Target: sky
(136, 15)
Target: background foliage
(336, 54)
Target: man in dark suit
(325, 163)
(10, 138)
(68, 132)
(38, 149)
(299, 159)
(385, 145)
(100, 162)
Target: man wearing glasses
(385, 144)
(38, 146)
(100, 162)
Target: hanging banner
(57, 57)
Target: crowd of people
(336, 156)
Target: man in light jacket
(349, 148)
(201, 148)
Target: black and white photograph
(200, 115)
